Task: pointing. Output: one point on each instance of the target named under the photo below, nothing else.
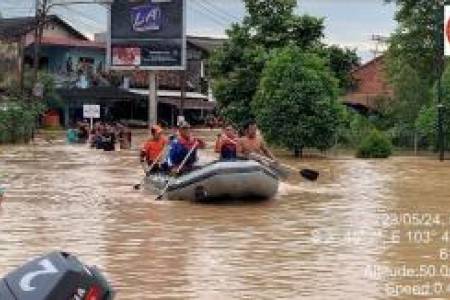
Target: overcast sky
(348, 22)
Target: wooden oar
(309, 174)
(180, 167)
(280, 168)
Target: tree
(296, 103)
(426, 120)
(417, 39)
(342, 61)
(236, 68)
(414, 60)
(410, 95)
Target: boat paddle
(178, 170)
(281, 169)
(138, 186)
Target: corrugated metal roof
(14, 28)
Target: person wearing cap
(152, 151)
(180, 148)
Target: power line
(210, 17)
(94, 23)
(85, 16)
(220, 10)
(213, 13)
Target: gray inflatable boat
(225, 180)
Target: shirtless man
(251, 142)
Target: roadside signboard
(91, 111)
(147, 35)
(447, 30)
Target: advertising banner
(147, 35)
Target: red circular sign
(447, 30)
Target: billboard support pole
(152, 100)
(183, 93)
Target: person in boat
(153, 150)
(252, 143)
(226, 144)
(180, 148)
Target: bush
(17, 120)
(375, 145)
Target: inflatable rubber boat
(220, 180)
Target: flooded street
(313, 241)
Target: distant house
(78, 64)
(60, 43)
(371, 85)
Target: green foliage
(353, 128)
(295, 105)
(17, 119)
(341, 61)
(418, 38)
(414, 62)
(411, 95)
(19, 113)
(236, 67)
(374, 145)
(426, 121)
(273, 24)
(51, 97)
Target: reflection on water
(313, 241)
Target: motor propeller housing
(58, 275)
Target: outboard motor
(56, 276)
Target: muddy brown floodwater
(354, 234)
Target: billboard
(147, 35)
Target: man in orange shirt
(153, 150)
(251, 142)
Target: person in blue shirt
(180, 147)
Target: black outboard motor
(56, 276)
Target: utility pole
(183, 94)
(37, 17)
(380, 42)
(440, 65)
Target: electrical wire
(210, 17)
(212, 13)
(93, 22)
(220, 10)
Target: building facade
(371, 86)
(78, 65)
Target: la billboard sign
(147, 35)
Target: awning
(192, 100)
(107, 93)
